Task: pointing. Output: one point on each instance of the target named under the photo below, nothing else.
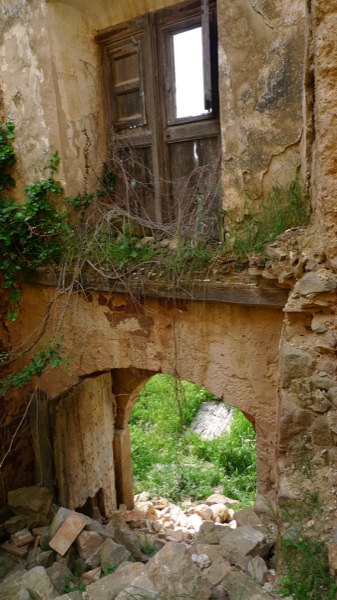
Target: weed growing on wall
(104, 237)
(171, 460)
(305, 567)
(286, 205)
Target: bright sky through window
(188, 68)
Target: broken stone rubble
(203, 563)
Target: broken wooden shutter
(128, 64)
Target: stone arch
(230, 349)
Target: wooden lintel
(237, 290)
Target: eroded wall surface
(52, 86)
(231, 350)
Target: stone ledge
(242, 289)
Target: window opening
(188, 73)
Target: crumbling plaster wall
(262, 70)
(52, 87)
(232, 350)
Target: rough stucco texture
(231, 350)
(261, 75)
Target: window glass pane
(188, 70)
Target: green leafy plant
(68, 583)
(32, 233)
(81, 587)
(143, 595)
(7, 153)
(147, 546)
(302, 558)
(48, 357)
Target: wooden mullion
(206, 48)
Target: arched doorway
(187, 444)
(127, 385)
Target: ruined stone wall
(277, 80)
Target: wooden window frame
(155, 128)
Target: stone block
(294, 364)
(14, 550)
(257, 569)
(311, 283)
(293, 423)
(108, 553)
(7, 563)
(87, 543)
(46, 559)
(182, 576)
(320, 431)
(247, 516)
(221, 499)
(244, 541)
(67, 533)
(219, 512)
(218, 568)
(211, 533)
(241, 587)
(15, 524)
(58, 573)
(14, 585)
(33, 503)
(332, 554)
(111, 585)
(22, 538)
(91, 576)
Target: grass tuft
(306, 570)
(285, 206)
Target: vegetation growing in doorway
(170, 460)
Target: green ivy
(42, 359)
(7, 153)
(32, 233)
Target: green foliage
(42, 359)
(306, 570)
(68, 583)
(80, 202)
(147, 546)
(108, 570)
(32, 233)
(302, 559)
(172, 461)
(285, 206)
(7, 153)
(144, 595)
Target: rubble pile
(211, 551)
